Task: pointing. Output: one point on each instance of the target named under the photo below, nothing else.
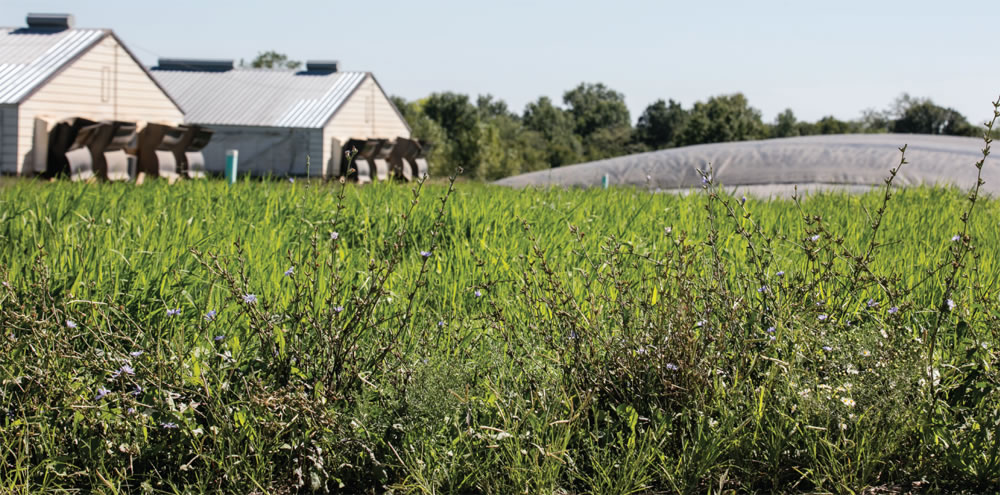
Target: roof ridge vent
(194, 64)
(322, 65)
(50, 21)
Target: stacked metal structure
(384, 159)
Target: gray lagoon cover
(854, 162)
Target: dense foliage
(490, 141)
(282, 337)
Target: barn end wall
(368, 113)
(105, 83)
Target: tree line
(490, 141)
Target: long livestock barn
(293, 122)
(77, 102)
(52, 73)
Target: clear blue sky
(817, 58)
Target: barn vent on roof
(57, 22)
(195, 64)
(321, 65)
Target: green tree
(659, 124)
(609, 142)
(555, 126)
(594, 106)
(874, 121)
(785, 125)
(722, 119)
(507, 148)
(274, 60)
(924, 117)
(489, 107)
(460, 120)
(831, 125)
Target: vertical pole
(604, 181)
(232, 159)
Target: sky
(818, 58)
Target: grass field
(275, 337)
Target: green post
(232, 158)
(604, 181)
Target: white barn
(51, 71)
(282, 122)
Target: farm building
(50, 71)
(282, 122)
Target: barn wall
(8, 139)
(275, 151)
(368, 113)
(104, 83)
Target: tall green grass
(494, 340)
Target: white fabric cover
(854, 162)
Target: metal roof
(30, 57)
(259, 97)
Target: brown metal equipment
(156, 145)
(382, 159)
(383, 150)
(112, 160)
(61, 139)
(408, 159)
(99, 150)
(197, 137)
(364, 169)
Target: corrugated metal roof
(259, 97)
(29, 57)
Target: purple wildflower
(70, 324)
(827, 348)
(136, 391)
(951, 305)
(762, 288)
(291, 180)
(814, 238)
(210, 316)
(218, 338)
(477, 293)
(743, 200)
(822, 317)
(249, 298)
(173, 312)
(135, 354)
(127, 370)
(671, 367)
(780, 274)
(956, 238)
(290, 271)
(131, 410)
(872, 303)
(168, 426)
(425, 254)
(770, 330)
(101, 393)
(893, 310)
(334, 236)
(441, 323)
(701, 323)
(338, 308)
